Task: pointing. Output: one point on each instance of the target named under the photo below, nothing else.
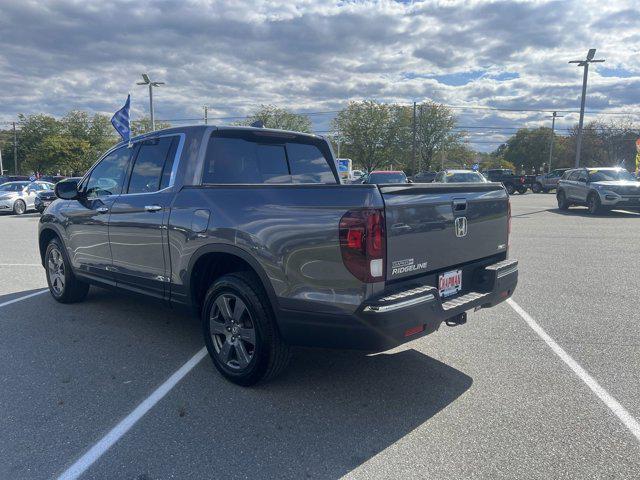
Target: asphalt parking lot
(491, 399)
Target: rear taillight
(522, 179)
(363, 244)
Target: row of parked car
(20, 195)
(512, 182)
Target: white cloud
(315, 55)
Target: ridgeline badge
(406, 265)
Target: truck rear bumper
(399, 317)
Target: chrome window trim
(174, 168)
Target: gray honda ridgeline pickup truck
(251, 229)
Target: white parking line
(619, 411)
(117, 432)
(19, 299)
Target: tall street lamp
(553, 132)
(583, 63)
(147, 81)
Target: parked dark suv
(251, 229)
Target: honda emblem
(460, 225)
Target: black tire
(19, 207)
(235, 357)
(537, 187)
(561, 197)
(63, 284)
(594, 204)
(510, 189)
(522, 190)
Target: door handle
(102, 209)
(152, 208)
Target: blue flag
(120, 121)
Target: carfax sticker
(406, 265)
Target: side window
(308, 164)
(573, 176)
(152, 165)
(237, 160)
(582, 176)
(107, 177)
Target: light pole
(147, 81)
(583, 63)
(553, 130)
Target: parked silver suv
(598, 189)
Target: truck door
(137, 233)
(87, 218)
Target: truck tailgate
(432, 227)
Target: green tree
(368, 132)
(435, 133)
(528, 148)
(279, 118)
(33, 130)
(143, 125)
(459, 156)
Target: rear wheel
(536, 187)
(594, 204)
(510, 189)
(562, 200)
(522, 190)
(19, 207)
(63, 284)
(240, 332)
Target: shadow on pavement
(91, 363)
(328, 414)
(24, 215)
(7, 297)
(584, 212)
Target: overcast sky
(315, 56)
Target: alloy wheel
(233, 331)
(20, 207)
(55, 267)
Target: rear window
(246, 157)
(308, 164)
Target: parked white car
(20, 197)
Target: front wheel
(561, 197)
(240, 332)
(63, 284)
(19, 207)
(594, 204)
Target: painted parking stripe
(117, 432)
(19, 299)
(618, 410)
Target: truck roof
(201, 128)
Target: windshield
(610, 176)
(13, 186)
(464, 177)
(396, 177)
